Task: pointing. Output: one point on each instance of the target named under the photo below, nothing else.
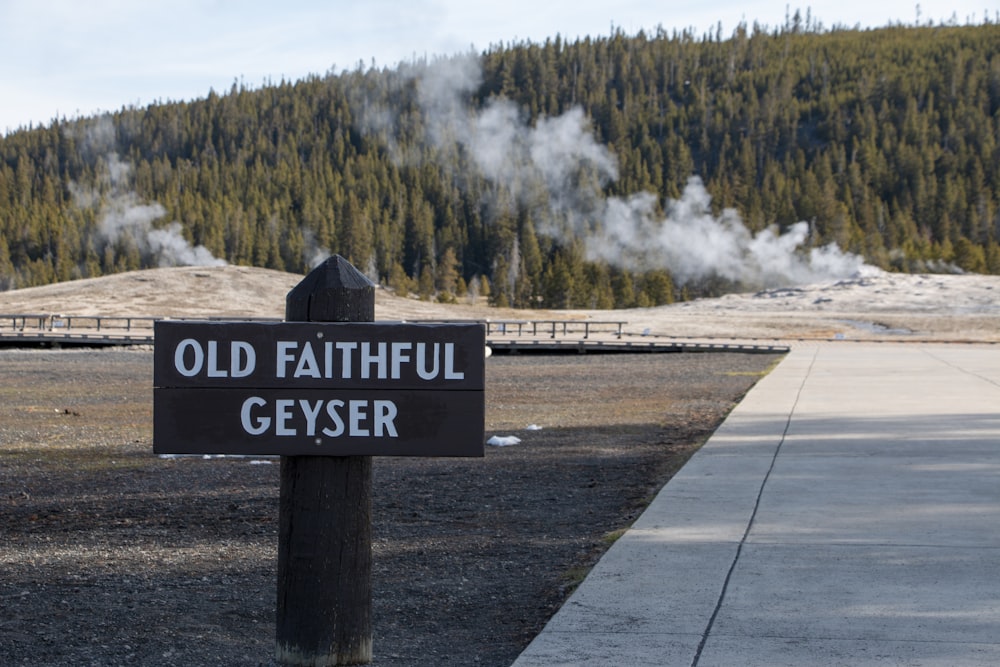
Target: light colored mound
(171, 292)
(875, 306)
(221, 291)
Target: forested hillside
(605, 172)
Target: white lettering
(307, 363)
(398, 358)
(368, 360)
(356, 418)
(254, 426)
(422, 361)
(310, 412)
(282, 414)
(243, 359)
(345, 364)
(385, 413)
(449, 363)
(351, 360)
(199, 357)
(315, 360)
(338, 423)
(213, 361)
(356, 413)
(284, 357)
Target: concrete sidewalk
(846, 513)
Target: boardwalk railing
(55, 323)
(19, 321)
(56, 329)
(122, 329)
(503, 336)
(552, 328)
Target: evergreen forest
(541, 174)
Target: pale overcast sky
(67, 58)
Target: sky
(70, 58)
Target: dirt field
(112, 556)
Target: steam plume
(124, 218)
(558, 171)
(695, 244)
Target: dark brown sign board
(323, 389)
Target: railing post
(325, 508)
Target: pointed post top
(334, 291)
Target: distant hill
(588, 174)
(217, 291)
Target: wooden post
(325, 513)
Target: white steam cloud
(126, 219)
(695, 244)
(122, 217)
(558, 171)
(313, 253)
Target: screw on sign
(327, 390)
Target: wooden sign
(323, 389)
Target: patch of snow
(503, 440)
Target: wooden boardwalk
(645, 345)
(502, 336)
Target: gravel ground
(111, 556)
